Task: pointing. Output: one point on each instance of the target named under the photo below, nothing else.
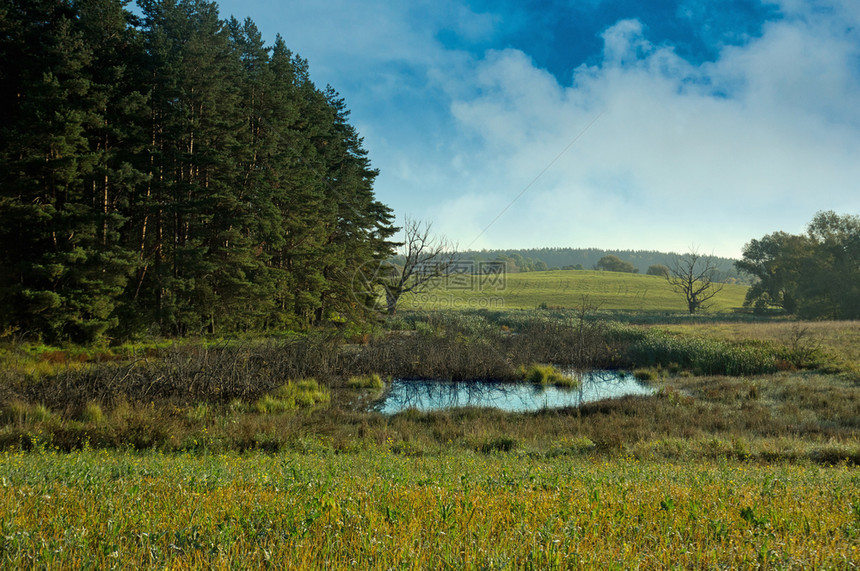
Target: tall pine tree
(62, 264)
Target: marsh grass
(754, 469)
(829, 345)
(646, 374)
(93, 413)
(448, 346)
(291, 396)
(702, 356)
(372, 381)
(547, 375)
(233, 396)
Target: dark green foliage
(170, 173)
(514, 262)
(776, 260)
(611, 263)
(582, 258)
(661, 270)
(816, 275)
(62, 179)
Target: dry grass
(227, 398)
(841, 339)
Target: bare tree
(423, 258)
(693, 276)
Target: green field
(566, 289)
(382, 510)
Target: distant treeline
(168, 173)
(536, 259)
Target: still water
(514, 397)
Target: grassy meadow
(566, 289)
(381, 510)
(263, 453)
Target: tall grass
(548, 375)
(699, 355)
(291, 396)
(372, 381)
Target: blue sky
(661, 124)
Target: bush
(612, 263)
(658, 270)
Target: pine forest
(163, 171)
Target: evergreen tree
(172, 173)
(62, 263)
(199, 253)
(362, 226)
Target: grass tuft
(373, 381)
(548, 375)
(646, 374)
(93, 413)
(305, 393)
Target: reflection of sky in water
(514, 397)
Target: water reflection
(515, 397)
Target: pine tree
(172, 173)
(362, 226)
(62, 265)
(194, 248)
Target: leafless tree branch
(693, 276)
(424, 258)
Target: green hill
(558, 258)
(566, 288)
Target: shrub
(612, 263)
(658, 270)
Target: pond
(513, 397)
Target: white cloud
(714, 155)
(711, 154)
(624, 43)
